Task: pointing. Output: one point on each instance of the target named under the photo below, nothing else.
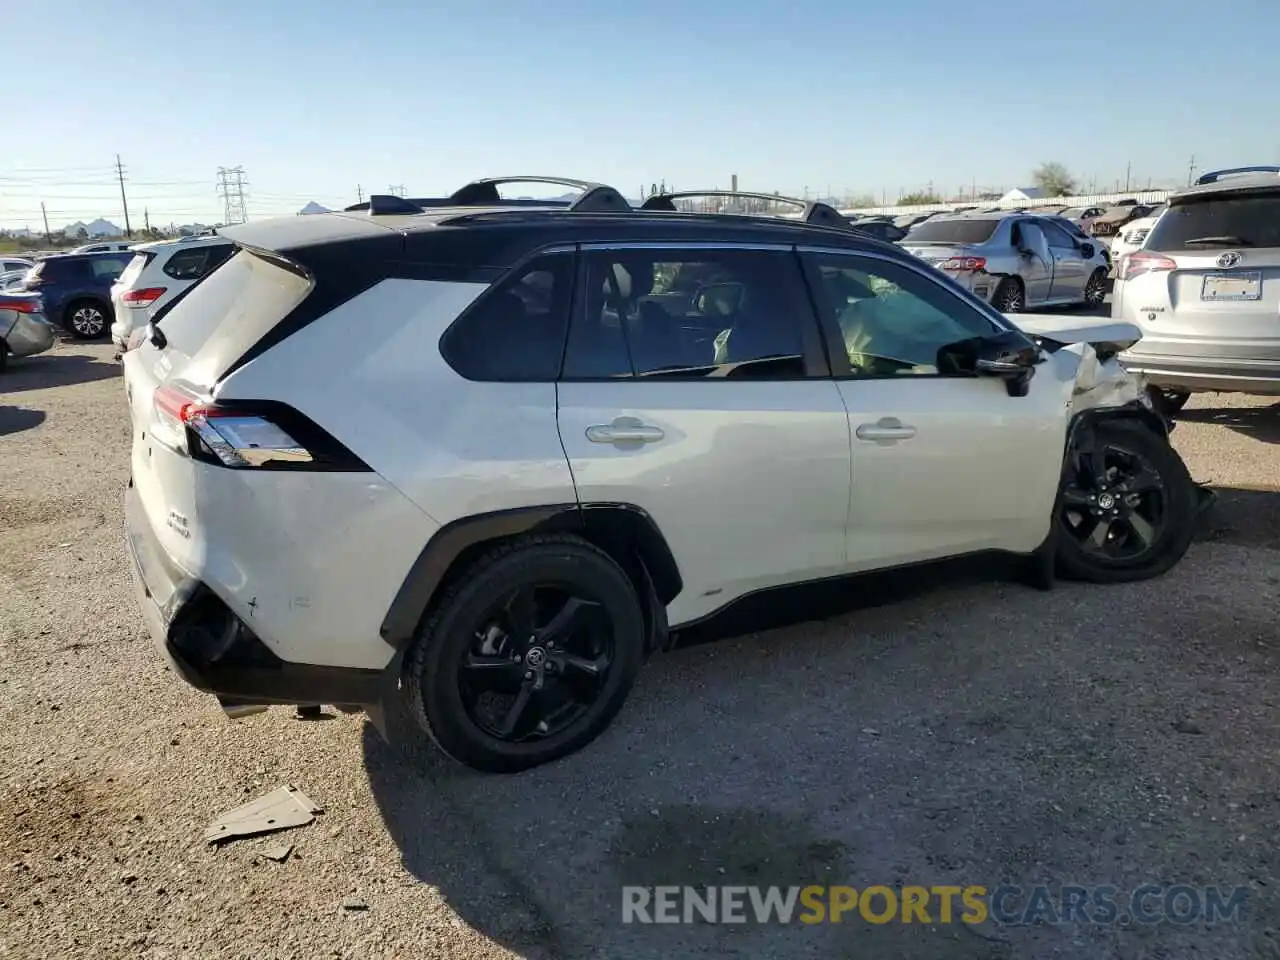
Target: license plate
(1232, 286)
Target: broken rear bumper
(212, 649)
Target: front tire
(529, 655)
(87, 320)
(1168, 402)
(1127, 506)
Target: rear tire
(4, 355)
(494, 633)
(1127, 506)
(87, 319)
(1095, 291)
(1009, 297)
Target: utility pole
(146, 218)
(396, 191)
(1127, 171)
(48, 238)
(1191, 169)
(231, 184)
(123, 199)
(359, 193)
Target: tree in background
(1054, 180)
(920, 196)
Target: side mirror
(1087, 250)
(1009, 355)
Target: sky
(317, 99)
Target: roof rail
(1213, 176)
(814, 212)
(485, 191)
(596, 197)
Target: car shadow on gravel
(1247, 517)
(55, 370)
(963, 737)
(17, 419)
(1260, 423)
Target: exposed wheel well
(626, 533)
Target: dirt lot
(970, 732)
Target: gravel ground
(969, 731)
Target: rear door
(1222, 299)
(713, 411)
(1070, 270)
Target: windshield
(952, 231)
(1225, 220)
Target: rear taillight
(964, 263)
(142, 298)
(244, 434)
(1140, 262)
(21, 306)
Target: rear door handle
(885, 429)
(624, 430)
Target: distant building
(1023, 193)
(313, 207)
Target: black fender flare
(640, 548)
(1133, 411)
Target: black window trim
(812, 340)
(841, 368)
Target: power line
(231, 184)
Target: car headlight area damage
(468, 462)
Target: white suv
(479, 458)
(157, 274)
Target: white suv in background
(159, 272)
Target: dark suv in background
(76, 290)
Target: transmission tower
(397, 191)
(231, 187)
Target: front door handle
(885, 429)
(624, 430)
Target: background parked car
(1013, 261)
(76, 290)
(15, 264)
(1134, 233)
(106, 246)
(1083, 217)
(24, 331)
(157, 273)
(880, 229)
(1205, 290)
(1115, 218)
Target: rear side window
(62, 270)
(952, 231)
(194, 263)
(516, 331)
(1226, 220)
(108, 268)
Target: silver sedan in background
(1014, 261)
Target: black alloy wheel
(1095, 291)
(529, 654)
(537, 663)
(1126, 507)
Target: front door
(1035, 261)
(942, 464)
(695, 388)
(1070, 269)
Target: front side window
(893, 321)
(515, 332)
(691, 314)
(1056, 236)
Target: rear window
(952, 231)
(241, 301)
(1226, 220)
